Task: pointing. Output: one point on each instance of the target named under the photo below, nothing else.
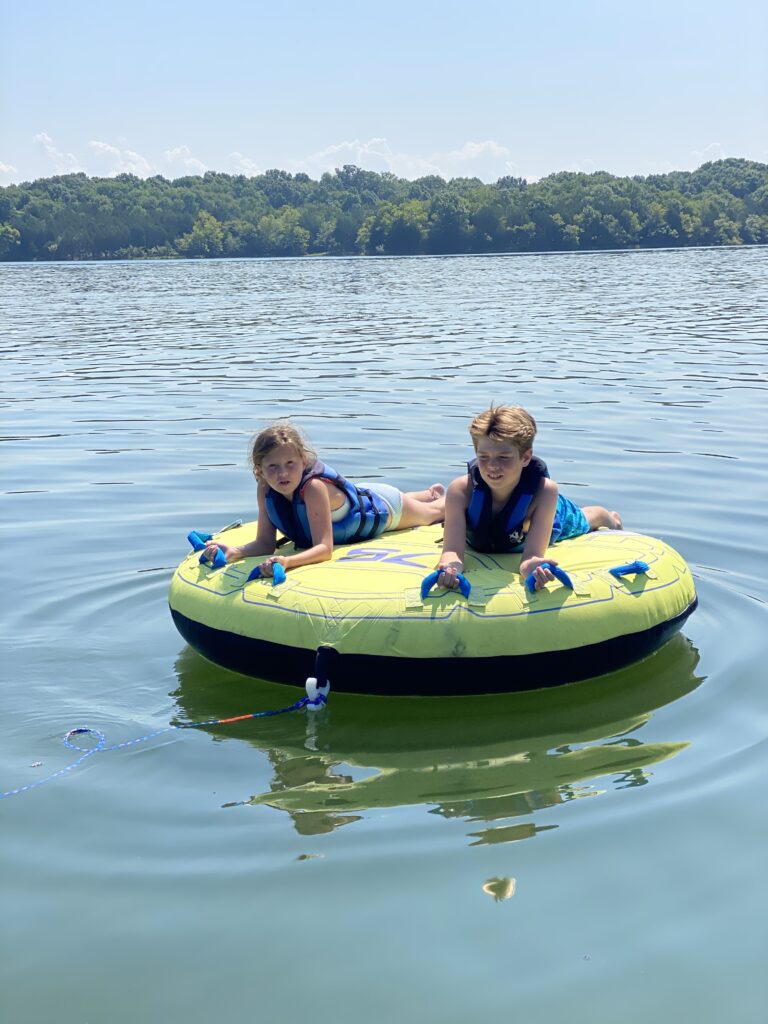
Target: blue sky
(481, 88)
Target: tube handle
(430, 581)
(631, 567)
(278, 574)
(557, 572)
(198, 540)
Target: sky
(482, 88)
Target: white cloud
(181, 158)
(486, 160)
(585, 166)
(122, 161)
(240, 164)
(7, 171)
(714, 151)
(374, 155)
(657, 167)
(63, 163)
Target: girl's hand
(267, 565)
(449, 572)
(231, 553)
(534, 565)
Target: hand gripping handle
(198, 541)
(278, 574)
(430, 581)
(557, 572)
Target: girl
(316, 507)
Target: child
(507, 501)
(316, 507)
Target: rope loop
(99, 746)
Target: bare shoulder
(314, 485)
(546, 493)
(315, 493)
(459, 489)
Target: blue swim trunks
(569, 522)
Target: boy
(507, 502)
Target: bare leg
(429, 494)
(422, 512)
(598, 516)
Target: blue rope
(100, 745)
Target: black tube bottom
(423, 677)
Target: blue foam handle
(429, 581)
(557, 572)
(219, 560)
(198, 541)
(278, 574)
(630, 567)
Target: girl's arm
(264, 544)
(539, 533)
(320, 527)
(455, 531)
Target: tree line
(353, 211)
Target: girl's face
(281, 469)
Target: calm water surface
(587, 853)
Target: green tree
(205, 239)
(73, 216)
(449, 229)
(9, 239)
(281, 234)
(727, 231)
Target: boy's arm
(455, 531)
(539, 533)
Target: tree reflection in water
(490, 760)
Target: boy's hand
(449, 572)
(267, 566)
(534, 565)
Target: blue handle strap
(278, 574)
(198, 541)
(219, 560)
(557, 572)
(429, 581)
(625, 570)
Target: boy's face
(500, 463)
(281, 469)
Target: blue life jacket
(367, 517)
(503, 532)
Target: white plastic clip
(318, 695)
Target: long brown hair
(276, 434)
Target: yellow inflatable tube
(361, 617)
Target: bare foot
(617, 523)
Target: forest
(359, 212)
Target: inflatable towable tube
(371, 619)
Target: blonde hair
(276, 434)
(508, 423)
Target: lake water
(589, 853)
